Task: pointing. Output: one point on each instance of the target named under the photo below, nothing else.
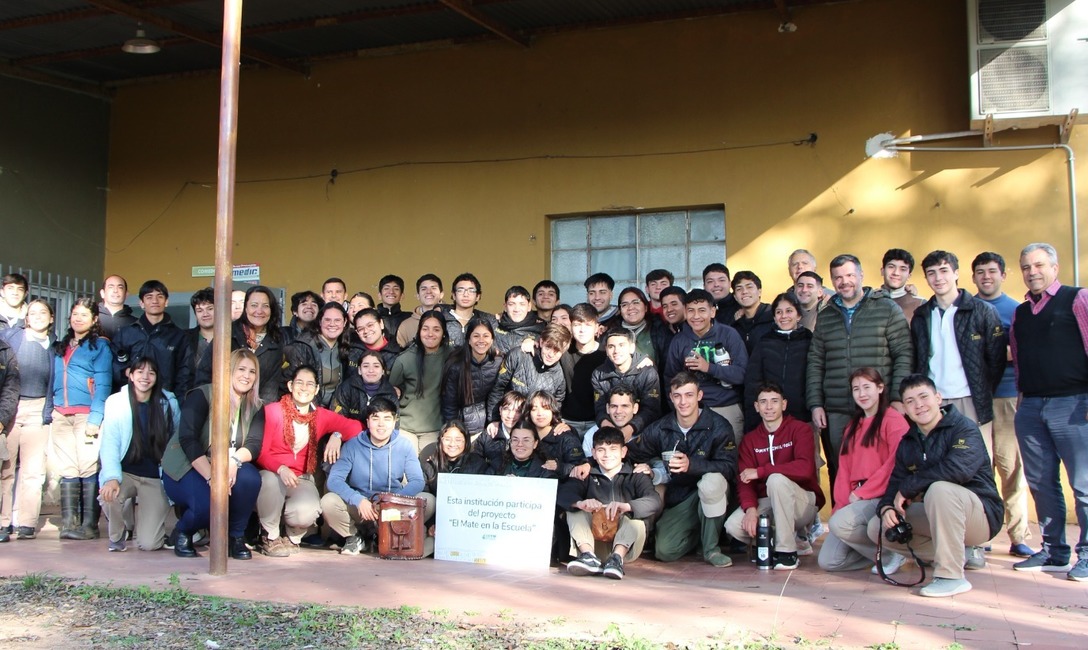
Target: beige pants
(1005, 452)
(792, 509)
(735, 415)
(151, 509)
(631, 533)
(341, 518)
(950, 517)
(75, 455)
(297, 507)
(421, 439)
(27, 439)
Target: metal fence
(59, 290)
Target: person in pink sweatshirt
(865, 464)
(777, 463)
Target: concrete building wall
(453, 160)
(53, 178)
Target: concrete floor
(683, 602)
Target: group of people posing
(669, 417)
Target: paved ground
(683, 602)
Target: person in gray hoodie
(381, 461)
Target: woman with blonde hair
(187, 464)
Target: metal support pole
(224, 241)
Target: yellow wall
(851, 71)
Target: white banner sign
(498, 520)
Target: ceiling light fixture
(141, 44)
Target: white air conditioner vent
(1028, 58)
(1002, 21)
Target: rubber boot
(92, 509)
(70, 508)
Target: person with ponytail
(137, 424)
(82, 377)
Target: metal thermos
(764, 543)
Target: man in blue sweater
(380, 461)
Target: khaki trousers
(1005, 452)
(21, 494)
(950, 517)
(847, 545)
(151, 509)
(735, 415)
(631, 533)
(297, 507)
(793, 510)
(74, 454)
(342, 518)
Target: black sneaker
(353, 546)
(613, 567)
(26, 532)
(785, 561)
(586, 564)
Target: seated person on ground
(612, 490)
(777, 477)
(943, 486)
(293, 429)
(381, 460)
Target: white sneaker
(804, 547)
(892, 562)
(945, 587)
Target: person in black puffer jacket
(469, 376)
(527, 373)
(355, 393)
(517, 323)
(780, 358)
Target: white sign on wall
(495, 520)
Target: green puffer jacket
(879, 337)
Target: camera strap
(880, 562)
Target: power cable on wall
(331, 177)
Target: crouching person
(293, 429)
(777, 477)
(701, 457)
(942, 485)
(138, 422)
(380, 461)
(612, 491)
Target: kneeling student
(293, 429)
(777, 476)
(942, 485)
(614, 489)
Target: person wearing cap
(698, 448)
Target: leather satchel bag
(400, 526)
(604, 529)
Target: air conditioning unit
(1029, 58)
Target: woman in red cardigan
(293, 427)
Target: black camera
(901, 533)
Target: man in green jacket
(861, 327)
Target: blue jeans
(1052, 431)
(193, 492)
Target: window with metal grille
(629, 245)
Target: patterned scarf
(290, 417)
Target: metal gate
(58, 290)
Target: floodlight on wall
(141, 44)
